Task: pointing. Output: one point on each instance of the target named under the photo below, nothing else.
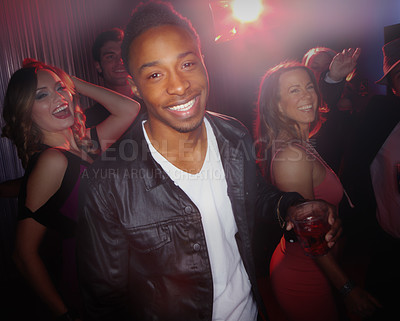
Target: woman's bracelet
(347, 288)
(278, 213)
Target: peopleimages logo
(128, 150)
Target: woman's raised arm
(123, 111)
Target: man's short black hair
(149, 15)
(114, 34)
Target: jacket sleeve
(268, 229)
(331, 92)
(272, 204)
(102, 254)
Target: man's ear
(134, 88)
(98, 67)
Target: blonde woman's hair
(17, 111)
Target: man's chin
(187, 128)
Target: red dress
(300, 287)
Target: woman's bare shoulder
(52, 160)
(45, 178)
(292, 152)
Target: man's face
(170, 76)
(111, 65)
(319, 63)
(395, 79)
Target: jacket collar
(228, 139)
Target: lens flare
(246, 10)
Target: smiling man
(166, 232)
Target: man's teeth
(305, 107)
(183, 107)
(60, 109)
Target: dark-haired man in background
(106, 52)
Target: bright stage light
(230, 16)
(246, 10)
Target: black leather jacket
(142, 253)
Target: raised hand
(343, 63)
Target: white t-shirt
(233, 300)
(385, 183)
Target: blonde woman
(46, 124)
